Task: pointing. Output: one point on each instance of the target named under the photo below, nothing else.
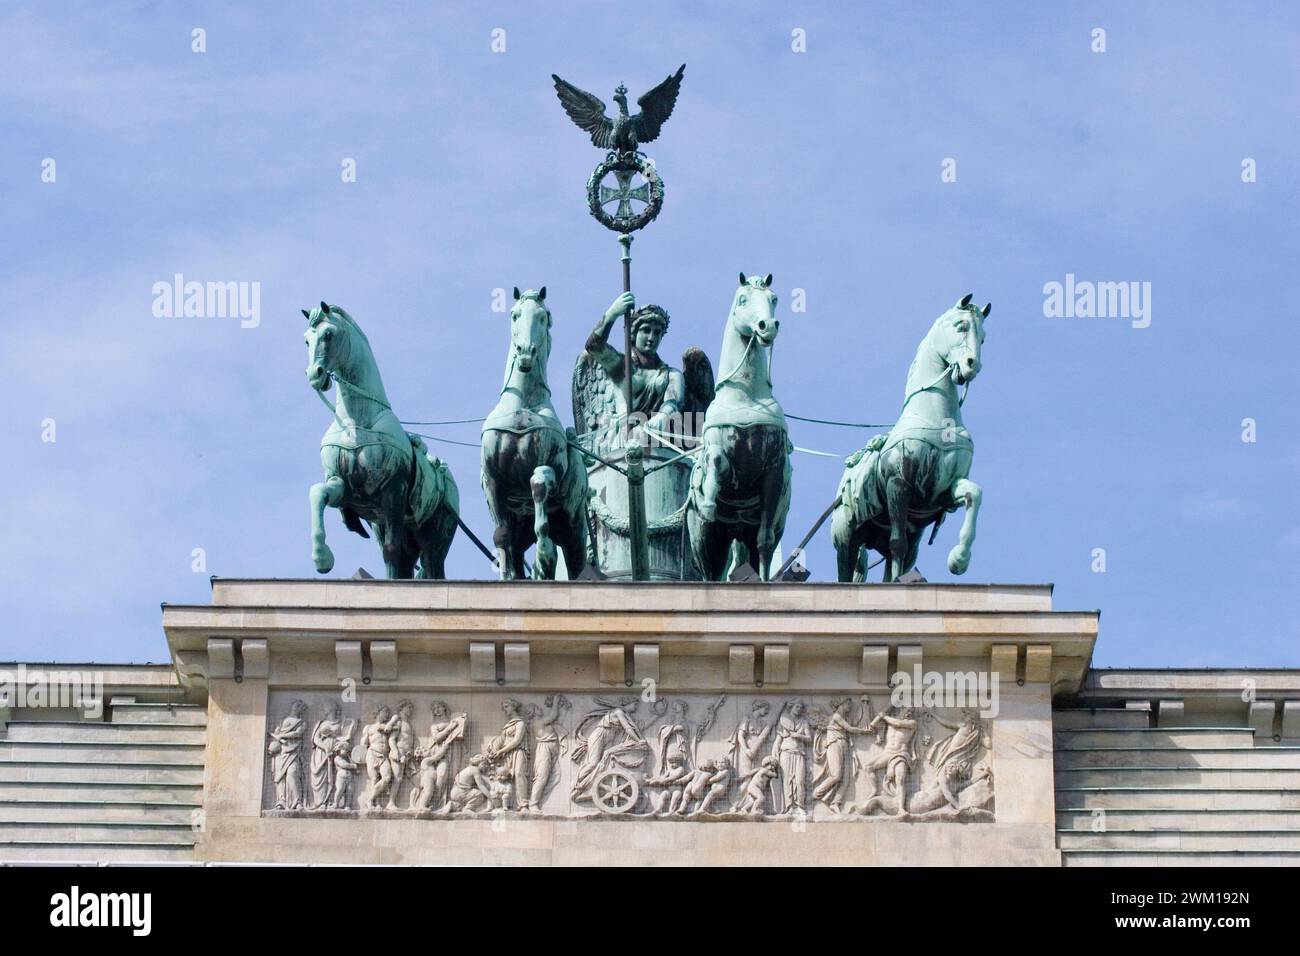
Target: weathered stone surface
(576, 766)
(129, 785)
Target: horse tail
(447, 485)
(737, 555)
(353, 522)
(447, 515)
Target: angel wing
(588, 112)
(596, 402)
(697, 371)
(656, 106)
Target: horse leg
(435, 541)
(716, 468)
(695, 539)
(851, 557)
(392, 503)
(862, 565)
(502, 531)
(765, 536)
(577, 544)
(543, 485)
(898, 499)
(574, 545)
(913, 551)
(959, 556)
(847, 559)
(410, 556)
(521, 539)
(717, 549)
(709, 546)
(328, 493)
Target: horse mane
(921, 346)
(950, 316)
(351, 323)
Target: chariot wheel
(615, 791)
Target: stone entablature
(555, 715)
(1138, 745)
(1265, 699)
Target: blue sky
(821, 167)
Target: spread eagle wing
(588, 112)
(596, 403)
(697, 371)
(656, 106)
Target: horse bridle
(771, 349)
(333, 407)
(948, 372)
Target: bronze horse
(374, 470)
(904, 481)
(533, 475)
(740, 485)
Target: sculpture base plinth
(585, 723)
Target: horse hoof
(324, 561)
(957, 561)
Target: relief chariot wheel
(615, 791)
(648, 195)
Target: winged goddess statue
(634, 403)
(623, 133)
(665, 398)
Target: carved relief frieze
(671, 757)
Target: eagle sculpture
(623, 133)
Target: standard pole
(625, 240)
(636, 525)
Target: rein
(744, 355)
(946, 373)
(737, 367)
(333, 407)
(510, 371)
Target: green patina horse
(740, 485)
(374, 470)
(533, 475)
(912, 477)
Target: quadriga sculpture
(740, 485)
(374, 470)
(535, 480)
(912, 477)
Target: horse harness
(380, 438)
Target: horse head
(329, 345)
(957, 337)
(753, 310)
(530, 330)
